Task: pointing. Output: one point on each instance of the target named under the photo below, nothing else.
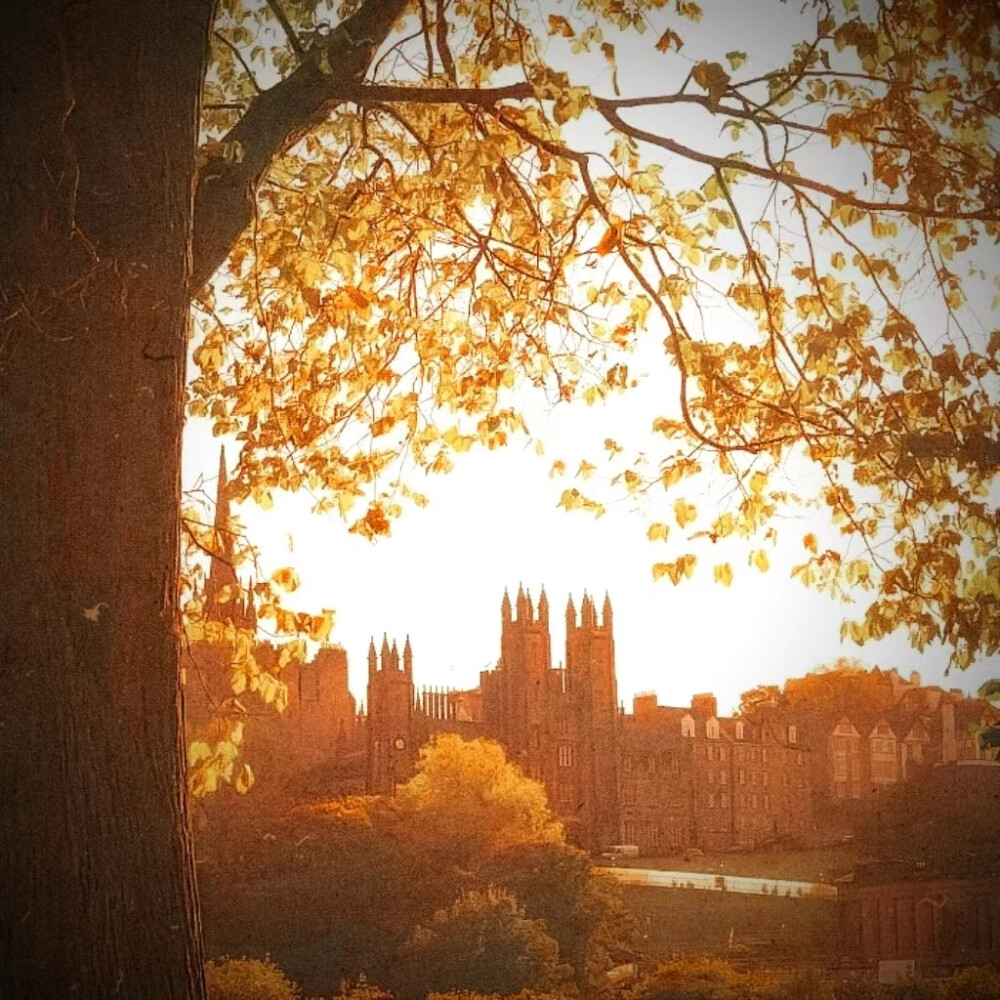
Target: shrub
(977, 983)
(248, 979)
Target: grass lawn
(767, 928)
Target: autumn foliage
(465, 212)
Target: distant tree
(842, 686)
(483, 942)
(583, 911)
(937, 817)
(763, 694)
(467, 798)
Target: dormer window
(687, 726)
(793, 734)
(712, 729)
(739, 730)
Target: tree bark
(99, 108)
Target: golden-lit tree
(466, 794)
(402, 211)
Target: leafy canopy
(466, 794)
(409, 211)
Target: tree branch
(273, 121)
(289, 31)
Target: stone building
(796, 768)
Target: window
(793, 734)
(712, 729)
(767, 803)
(711, 753)
(763, 755)
(753, 777)
(711, 776)
(764, 778)
(687, 726)
(711, 800)
(739, 730)
(724, 800)
(742, 776)
(723, 777)
(722, 753)
(565, 755)
(800, 758)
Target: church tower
(517, 709)
(390, 730)
(590, 680)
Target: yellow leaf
(658, 531)
(321, 626)
(724, 574)
(664, 569)
(286, 578)
(684, 512)
(558, 25)
(759, 559)
(586, 470)
(198, 751)
(810, 542)
(608, 241)
(244, 780)
(736, 59)
(757, 482)
(558, 469)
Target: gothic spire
(220, 569)
(505, 607)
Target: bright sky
(493, 523)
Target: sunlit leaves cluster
(815, 274)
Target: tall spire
(570, 614)
(505, 607)
(250, 610)
(407, 657)
(543, 607)
(394, 655)
(220, 569)
(385, 652)
(372, 659)
(588, 614)
(606, 611)
(522, 604)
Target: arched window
(687, 726)
(712, 729)
(739, 730)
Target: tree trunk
(98, 102)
